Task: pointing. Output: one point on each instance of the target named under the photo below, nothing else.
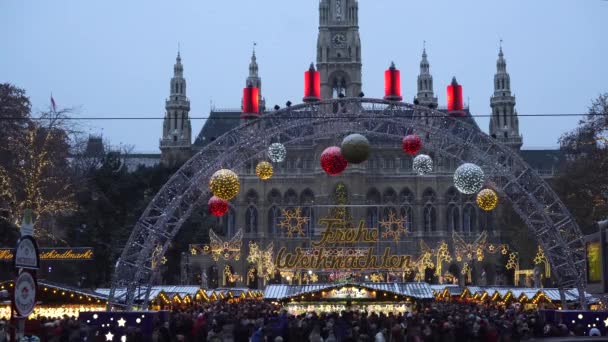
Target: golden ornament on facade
(264, 170)
(225, 184)
(487, 199)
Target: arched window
(430, 218)
(469, 218)
(274, 197)
(406, 196)
(407, 213)
(251, 220)
(230, 223)
(389, 196)
(429, 196)
(291, 197)
(371, 217)
(273, 220)
(307, 199)
(453, 218)
(251, 197)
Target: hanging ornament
(355, 148)
(411, 144)
(487, 199)
(277, 152)
(468, 178)
(423, 164)
(225, 184)
(332, 161)
(264, 170)
(217, 206)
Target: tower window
(339, 55)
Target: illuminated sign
(67, 254)
(324, 254)
(594, 266)
(348, 293)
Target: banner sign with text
(54, 254)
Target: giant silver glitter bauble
(423, 164)
(277, 152)
(469, 178)
(355, 148)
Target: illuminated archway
(531, 197)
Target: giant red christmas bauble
(332, 161)
(411, 144)
(217, 206)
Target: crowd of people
(258, 321)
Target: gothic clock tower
(339, 48)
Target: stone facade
(433, 208)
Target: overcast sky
(115, 58)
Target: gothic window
(406, 196)
(372, 197)
(371, 217)
(251, 220)
(452, 195)
(453, 218)
(291, 197)
(469, 218)
(274, 197)
(273, 220)
(230, 223)
(252, 197)
(430, 218)
(389, 196)
(407, 213)
(429, 196)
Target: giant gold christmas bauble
(355, 148)
(225, 184)
(264, 170)
(487, 199)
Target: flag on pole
(53, 106)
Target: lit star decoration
(393, 226)
(512, 263)
(487, 199)
(422, 164)
(293, 222)
(156, 257)
(123, 338)
(469, 178)
(277, 152)
(262, 259)
(228, 250)
(606, 322)
(232, 277)
(376, 278)
(264, 170)
(121, 322)
(225, 184)
(109, 336)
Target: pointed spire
(424, 49)
(392, 67)
(253, 65)
(312, 67)
(454, 82)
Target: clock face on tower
(338, 40)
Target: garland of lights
(262, 259)
(228, 250)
